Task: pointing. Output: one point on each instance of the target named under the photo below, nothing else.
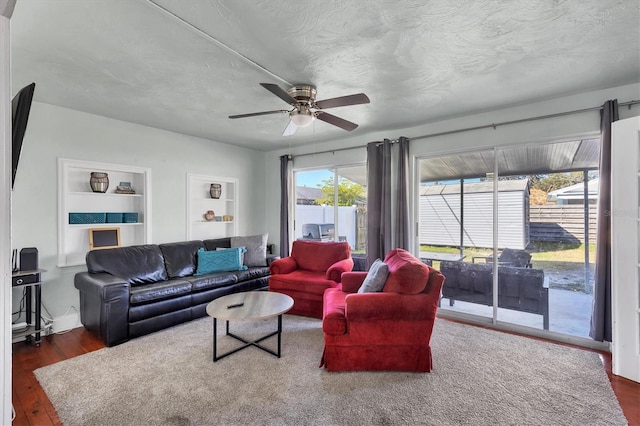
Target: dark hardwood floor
(33, 407)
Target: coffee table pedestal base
(247, 343)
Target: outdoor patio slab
(569, 313)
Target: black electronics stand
(31, 280)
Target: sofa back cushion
(180, 258)
(136, 264)
(318, 256)
(217, 243)
(407, 274)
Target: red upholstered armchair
(387, 330)
(312, 268)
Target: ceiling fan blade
(336, 121)
(279, 92)
(356, 99)
(253, 114)
(290, 129)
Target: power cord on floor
(77, 320)
(48, 317)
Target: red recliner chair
(312, 268)
(386, 330)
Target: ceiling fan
(306, 109)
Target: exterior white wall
(440, 220)
(59, 132)
(324, 214)
(554, 129)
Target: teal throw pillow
(220, 260)
(376, 277)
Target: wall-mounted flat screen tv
(20, 107)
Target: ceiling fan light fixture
(306, 109)
(302, 117)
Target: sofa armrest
(336, 270)
(104, 306)
(104, 286)
(286, 265)
(272, 258)
(369, 307)
(352, 281)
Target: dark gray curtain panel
(285, 173)
(601, 306)
(402, 196)
(378, 199)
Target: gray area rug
(480, 377)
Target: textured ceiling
(187, 65)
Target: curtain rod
(486, 126)
(522, 120)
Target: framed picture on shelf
(104, 238)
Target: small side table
(30, 280)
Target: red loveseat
(312, 268)
(388, 330)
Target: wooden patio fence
(561, 223)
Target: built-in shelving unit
(75, 196)
(200, 202)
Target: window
(331, 205)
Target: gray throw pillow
(256, 246)
(376, 277)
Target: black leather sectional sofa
(132, 291)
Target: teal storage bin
(114, 217)
(129, 217)
(84, 218)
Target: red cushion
(351, 281)
(333, 319)
(334, 273)
(319, 256)
(301, 281)
(407, 274)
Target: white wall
(55, 132)
(559, 128)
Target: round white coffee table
(250, 305)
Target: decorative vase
(215, 190)
(210, 215)
(99, 182)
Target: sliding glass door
(513, 230)
(456, 227)
(546, 261)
